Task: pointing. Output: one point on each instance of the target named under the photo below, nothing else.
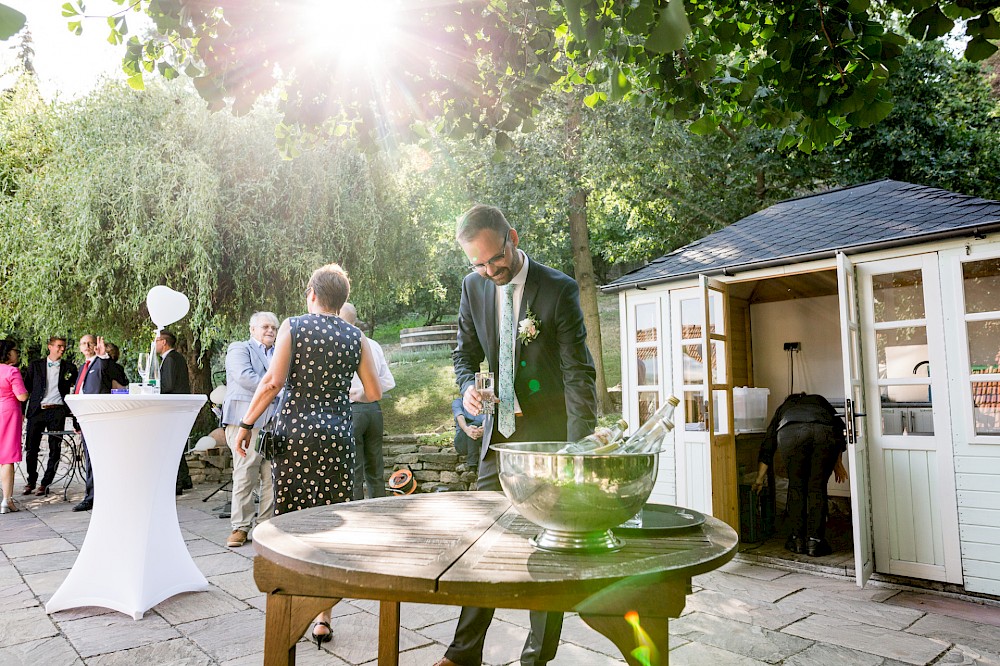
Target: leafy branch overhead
(811, 68)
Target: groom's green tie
(505, 415)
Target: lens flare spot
(534, 386)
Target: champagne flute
(143, 368)
(484, 385)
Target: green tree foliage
(944, 131)
(143, 189)
(810, 68)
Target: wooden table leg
(286, 619)
(643, 641)
(388, 633)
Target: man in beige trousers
(246, 363)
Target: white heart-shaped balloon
(166, 306)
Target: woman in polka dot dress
(315, 357)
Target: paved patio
(743, 614)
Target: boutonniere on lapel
(528, 328)
(66, 376)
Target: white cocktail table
(133, 556)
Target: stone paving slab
(229, 636)
(841, 587)
(748, 640)
(191, 606)
(49, 562)
(198, 547)
(748, 588)
(239, 584)
(221, 563)
(866, 612)
(40, 547)
(16, 596)
(53, 651)
(984, 638)
(26, 624)
(822, 654)
(698, 654)
(905, 647)
(355, 638)
(958, 608)
(177, 652)
(112, 632)
(748, 611)
(740, 568)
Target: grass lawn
(425, 382)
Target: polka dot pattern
(315, 421)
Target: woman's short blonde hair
(331, 286)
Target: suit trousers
(369, 463)
(543, 639)
(249, 474)
(810, 451)
(53, 418)
(89, 473)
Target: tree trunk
(583, 262)
(200, 372)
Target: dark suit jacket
(98, 378)
(174, 376)
(117, 372)
(554, 374)
(36, 380)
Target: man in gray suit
(246, 363)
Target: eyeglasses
(495, 259)
(308, 291)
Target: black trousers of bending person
(810, 452)
(470, 635)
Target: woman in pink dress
(12, 393)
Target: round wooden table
(470, 549)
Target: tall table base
(134, 555)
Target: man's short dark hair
(56, 338)
(169, 338)
(478, 218)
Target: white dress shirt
(385, 378)
(52, 395)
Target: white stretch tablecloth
(133, 556)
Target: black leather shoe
(795, 545)
(818, 548)
(84, 506)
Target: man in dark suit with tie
(545, 380)
(174, 379)
(93, 378)
(48, 380)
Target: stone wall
(435, 465)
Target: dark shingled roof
(878, 214)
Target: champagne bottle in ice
(649, 438)
(603, 440)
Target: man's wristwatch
(246, 426)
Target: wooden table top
(451, 543)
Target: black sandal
(322, 638)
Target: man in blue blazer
(94, 377)
(246, 363)
(48, 380)
(554, 395)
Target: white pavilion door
(913, 499)
(855, 419)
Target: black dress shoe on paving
(28, 489)
(84, 506)
(818, 548)
(795, 545)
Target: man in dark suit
(47, 380)
(174, 378)
(545, 380)
(93, 378)
(118, 377)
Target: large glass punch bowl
(575, 498)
